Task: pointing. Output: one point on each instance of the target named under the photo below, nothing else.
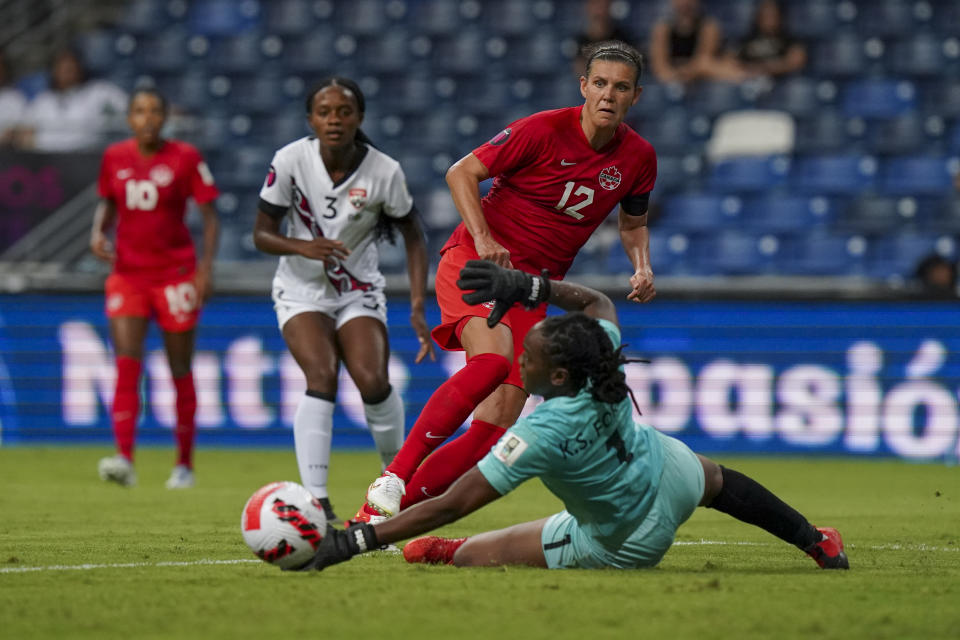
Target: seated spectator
(599, 26)
(74, 114)
(12, 103)
(768, 50)
(937, 277)
(684, 48)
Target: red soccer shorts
(454, 312)
(174, 304)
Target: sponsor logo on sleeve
(501, 137)
(509, 449)
(271, 176)
(610, 178)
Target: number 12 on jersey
(574, 209)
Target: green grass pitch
(82, 559)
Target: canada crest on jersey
(358, 198)
(610, 178)
(162, 175)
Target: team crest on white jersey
(162, 175)
(358, 198)
(610, 178)
(509, 448)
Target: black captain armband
(275, 211)
(636, 205)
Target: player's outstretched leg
(746, 499)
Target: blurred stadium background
(787, 318)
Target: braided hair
(386, 227)
(614, 51)
(579, 344)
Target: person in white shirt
(339, 195)
(75, 113)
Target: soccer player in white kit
(339, 194)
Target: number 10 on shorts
(181, 298)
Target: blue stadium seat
(485, 96)
(671, 132)
(236, 54)
(885, 18)
(879, 98)
(288, 17)
(714, 98)
(387, 53)
(798, 96)
(186, 89)
(899, 253)
(98, 51)
(540, 53)
(825, 132)
(440, 17)
(784, 213)
(943, 97)
(313, 53)
(463, 53)
(222, 17)
(946, 215)
(735, 17)
(953, 138)
(418, 169)
(840, 56)
(902, 134)
(408, 93)
(699, 212)
(917, 175)
(872, 214)
(946, 17)
(740, 253)
(260, 93)
(245, 167)
(164, 51)
(834, 174)
(813, 19)
(213, 132)
(748, 174)
(824, 253)
(920, 55)
(143, 17)
(654, 99)
(510, 18)
(678, 173)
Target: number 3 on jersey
(141, 194)
(574, 209)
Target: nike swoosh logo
(423, 490)
(564, 163)
(124, 173)
(433, 437)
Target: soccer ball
(283, 524)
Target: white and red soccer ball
(283, 524)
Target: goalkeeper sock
(186, 429)
(312, 432)
(747, 500)
(126, 404)
(450, 462)
(447, 408)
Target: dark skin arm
(417, 271)
(570, 296)
(211, 233)
(465, 496)
(267, 238)
(103, 219)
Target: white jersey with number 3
(348, 211)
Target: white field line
(194, 563)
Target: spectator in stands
(937, 276)
(598, 26)
(12, 103)
(75, 113)
(768, 50)
(685, 47)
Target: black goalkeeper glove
(340, 545)
(505, 286)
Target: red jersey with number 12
(552, 189)
(150, 194)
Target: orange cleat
(828, 553)
(432, 549)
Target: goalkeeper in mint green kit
(626, 488)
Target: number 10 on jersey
(574, 209)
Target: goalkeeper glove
(505, 287)
(340, 545)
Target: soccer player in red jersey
(144, 185)
(558, 174)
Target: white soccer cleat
(117, 469)
(180, 478)
(385, 493)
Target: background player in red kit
(558, 175)
(144, 185)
